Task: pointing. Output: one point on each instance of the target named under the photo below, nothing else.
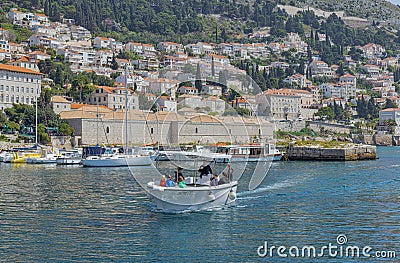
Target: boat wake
(250, 194)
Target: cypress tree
(198, 83)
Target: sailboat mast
(36, 115)
(126, 109)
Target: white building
(113, 98)
(60, 104)
(390, 114)
(284, 104)
(18, 85)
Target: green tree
(390, 104)
(198, 84)
(326, 113)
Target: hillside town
(187, 81)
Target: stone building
(168, 128)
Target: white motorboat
(73, 157)
(116, 160)
(194, 197)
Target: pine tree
(114, 64)
(212, 67)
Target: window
(108, 130)
(27, 100)
(12, 88)
(6, 88)
(1, 87)
(17, 89)
(196, 130)
(151, 130)
(22, 89)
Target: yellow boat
(17, 158)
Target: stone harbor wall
(376, 139)
(350, 153)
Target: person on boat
(179, 173)
(205, 169)
(181, 182)
(163, 181)
(223, 179)
(214, 180)
(228, 172)
(170, 182)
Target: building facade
(18, 85)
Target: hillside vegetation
(370, 9)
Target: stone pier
(317, 153)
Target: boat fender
(232, 195)
(211, 197)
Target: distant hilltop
(377, 10)
(349, 20)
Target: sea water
(75, 214)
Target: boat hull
(175, 200)
(116, 161)
(268, 158)
(68, 161)
(41, 160)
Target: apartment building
(18, 85)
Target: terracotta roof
(391, 109)
(59, 99)
(18, 69)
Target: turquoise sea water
(72, 214)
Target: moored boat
(73, 157)
(252, 152)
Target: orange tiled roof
(18, 69)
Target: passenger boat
(194, 197)
(252, 152)
(198, 193)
